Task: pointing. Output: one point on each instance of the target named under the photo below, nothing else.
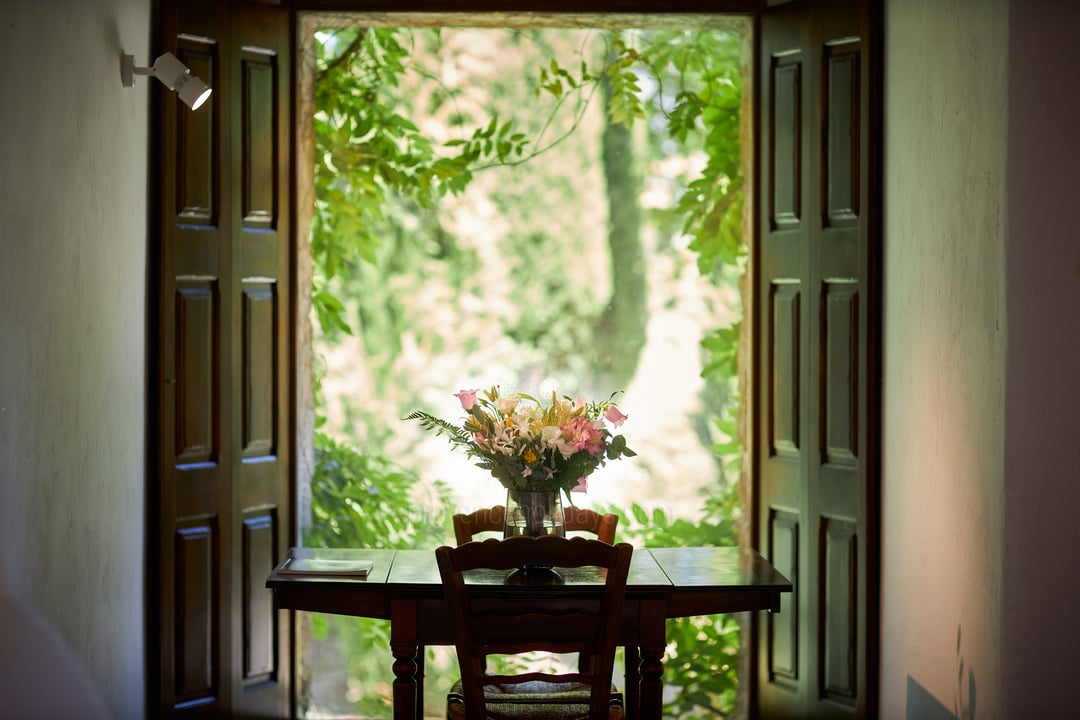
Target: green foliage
(358, 155)
(728, 447)
(722, 348)
(370, 157)
(706, 682)
(456, 435)
(716, 527)
(379, 235)
(702, 667)
(364, 500)
(625, 105)
(492, 143)
(557, 81)
(700, 81)
(549, 299)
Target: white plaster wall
(944, 358)
(1042, 441)
(73, 299)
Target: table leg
(652, 685)
(404, 646)
(653, 642)
(420, 671)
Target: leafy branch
(455, 434)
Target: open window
(589, 238)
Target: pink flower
(614, 417)
(582, 434)
(467, 398)
(582, 485)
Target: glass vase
(534, 514)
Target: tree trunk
(621, 329)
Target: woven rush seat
(534, 700)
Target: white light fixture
(169, 70)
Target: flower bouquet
(533, 447)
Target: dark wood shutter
(817, 369)
(220, 501)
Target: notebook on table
(325, 567)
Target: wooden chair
(512, 625)
(575, 519)
(492, 519)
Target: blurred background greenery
(556, 209)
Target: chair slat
(534, 677)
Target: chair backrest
(517, 621)
(489, 519)
(575, 519)
(585, 520)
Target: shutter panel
(816, 509)
(221, 500)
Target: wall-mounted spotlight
(169, 70)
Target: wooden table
(404, 588)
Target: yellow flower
(529, 456)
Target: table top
(692, 580)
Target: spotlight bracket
(172, 73)
(127, 70)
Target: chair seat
(535, 700)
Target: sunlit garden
(541, 210)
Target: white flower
(506, 405)
(550, 435)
